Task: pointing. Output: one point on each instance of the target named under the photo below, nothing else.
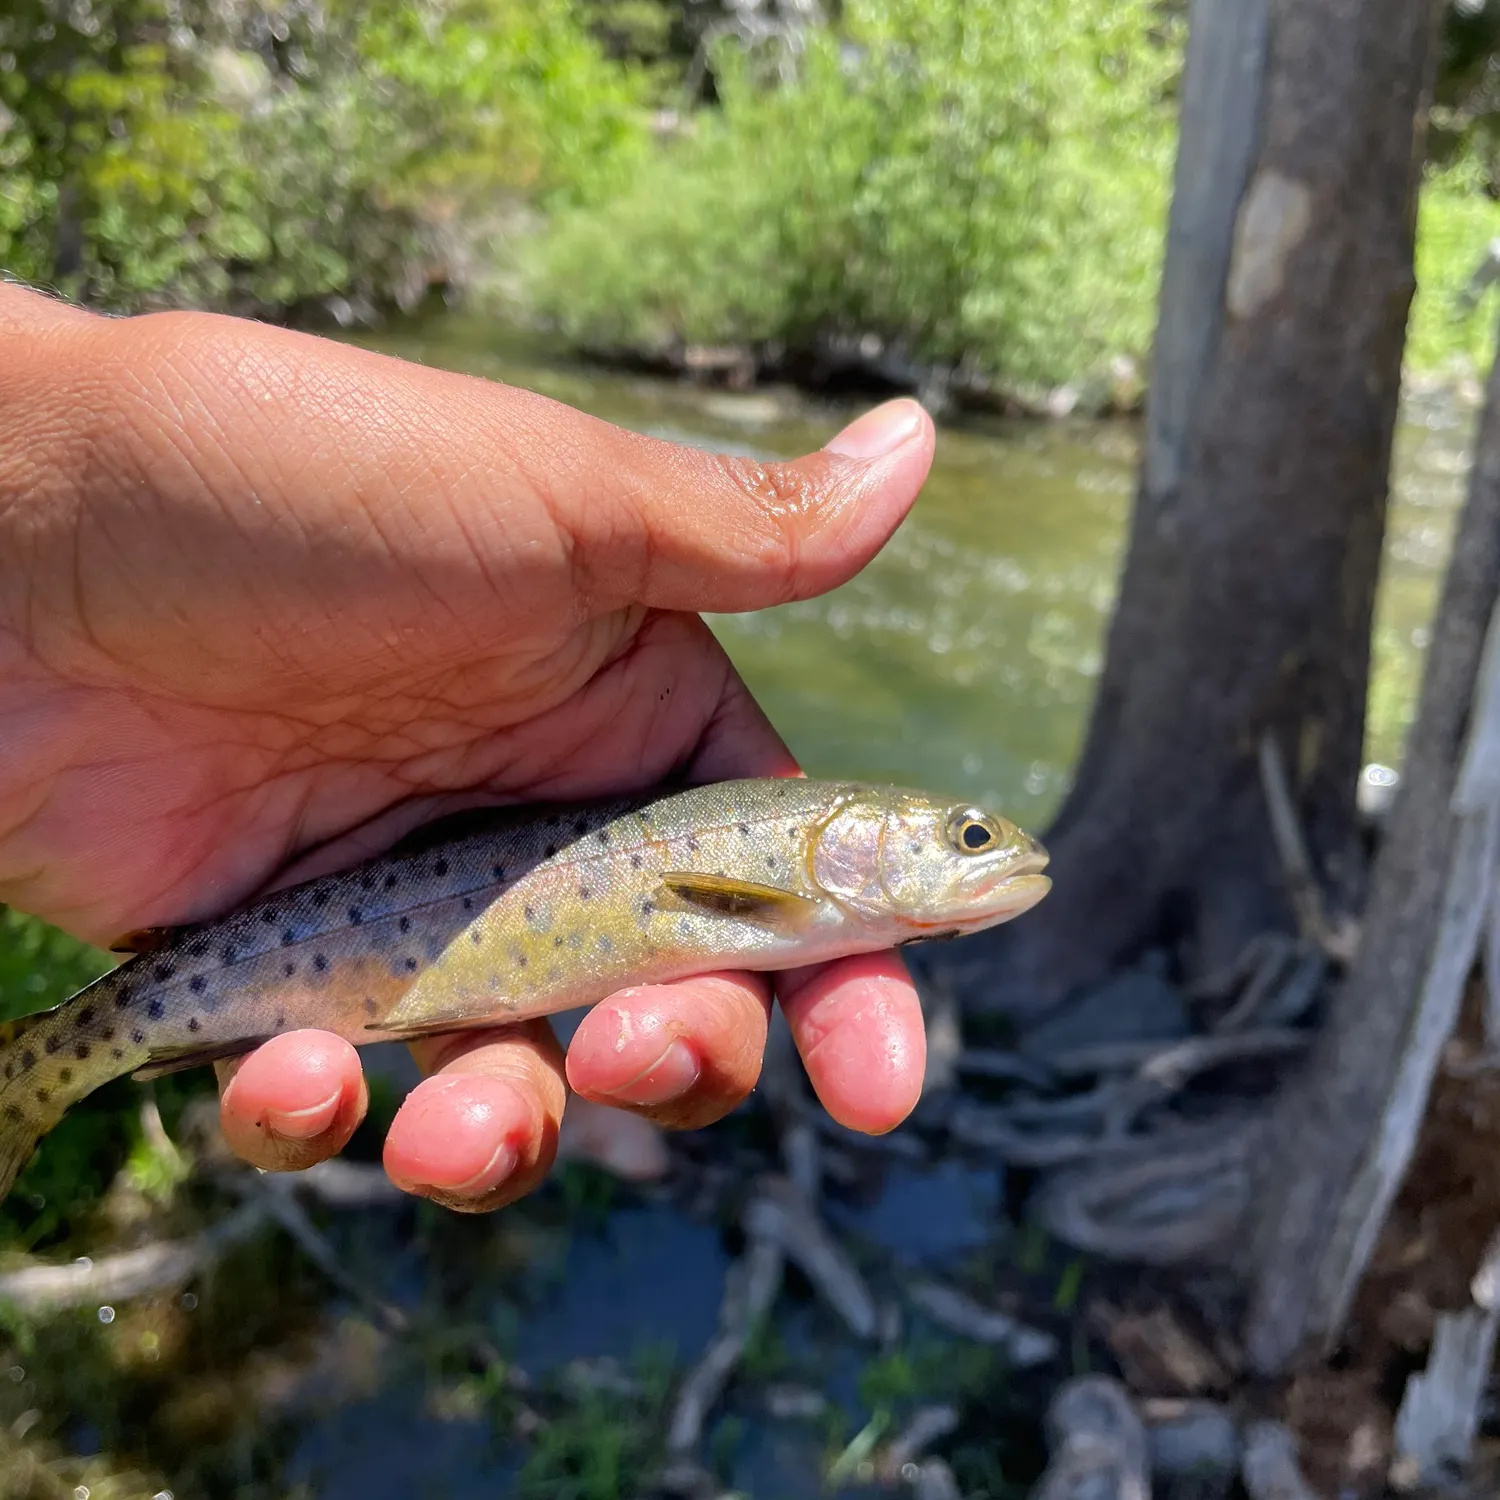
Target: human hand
(268, 602)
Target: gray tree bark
(1249, 582)
(1346, 1126)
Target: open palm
(268, 602)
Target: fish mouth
(1020, 892)
(1022, 884)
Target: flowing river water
(964, 657)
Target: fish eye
(972, 833)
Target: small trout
(539, 910)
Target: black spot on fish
(520, 960)
(603, 837)
(123, 996)
(108, 1034)
(584, 893)
(557, 942)
(410, 965)
(12, 1112)
(81, 1051)
(197, 984)
(42, 1096)
(138, 1036)
(356, 916)
(440, 868)
(268, 916)
(194, 1024)
(28, 1060)
(370, 1006)
(551, 850)
(605, 945)
(320, 896)
(320, 962)
(553, 819)
(65, 1076)
(498, 871)
(51, 1044)
(405, 924)
(635, 861)
(581, 826)
(229, 952)
(86, 1016)
(289, 969)
(530, 913)
(162, 973)
(198, 948)
(791, 833)
(468, 903)
(692, 843)
(367, 881)
(288, 938)
(391, 882)
(117, 1053)
(745, 829)
(476, 937)
(156, 1010)
(647, 908)
(781, 791)
(280, 1019)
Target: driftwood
(1024, 1346)
(130, 1273)
(779, 1214)
(1098, 1445)
(1440, 1412)
(1269, 1468)
(749, 1291)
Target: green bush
(981, 181)
(192, 171)
(1451, 330)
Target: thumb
(677, 527)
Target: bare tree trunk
(1250, 578)
(1346, 1127)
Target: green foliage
(261, 156)
(40, 966)
(982, 182)
(603, 1443)
(1452, 325)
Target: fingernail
(303, 1124)
(878, 432)
(669, 1077)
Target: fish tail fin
(48, 1062)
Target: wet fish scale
(540, 910)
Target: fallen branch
(1441, 1408)
(1296, 864)
(1023, 1345)
(779, 1213)
(926, 1426)
(749, 1291)
(130, 1273)
(1269, 1467)
(1097, 1442)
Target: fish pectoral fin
(748, 900)
(179, 1060)
(142, 940)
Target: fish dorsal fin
(725, 896)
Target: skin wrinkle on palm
(266, 707)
